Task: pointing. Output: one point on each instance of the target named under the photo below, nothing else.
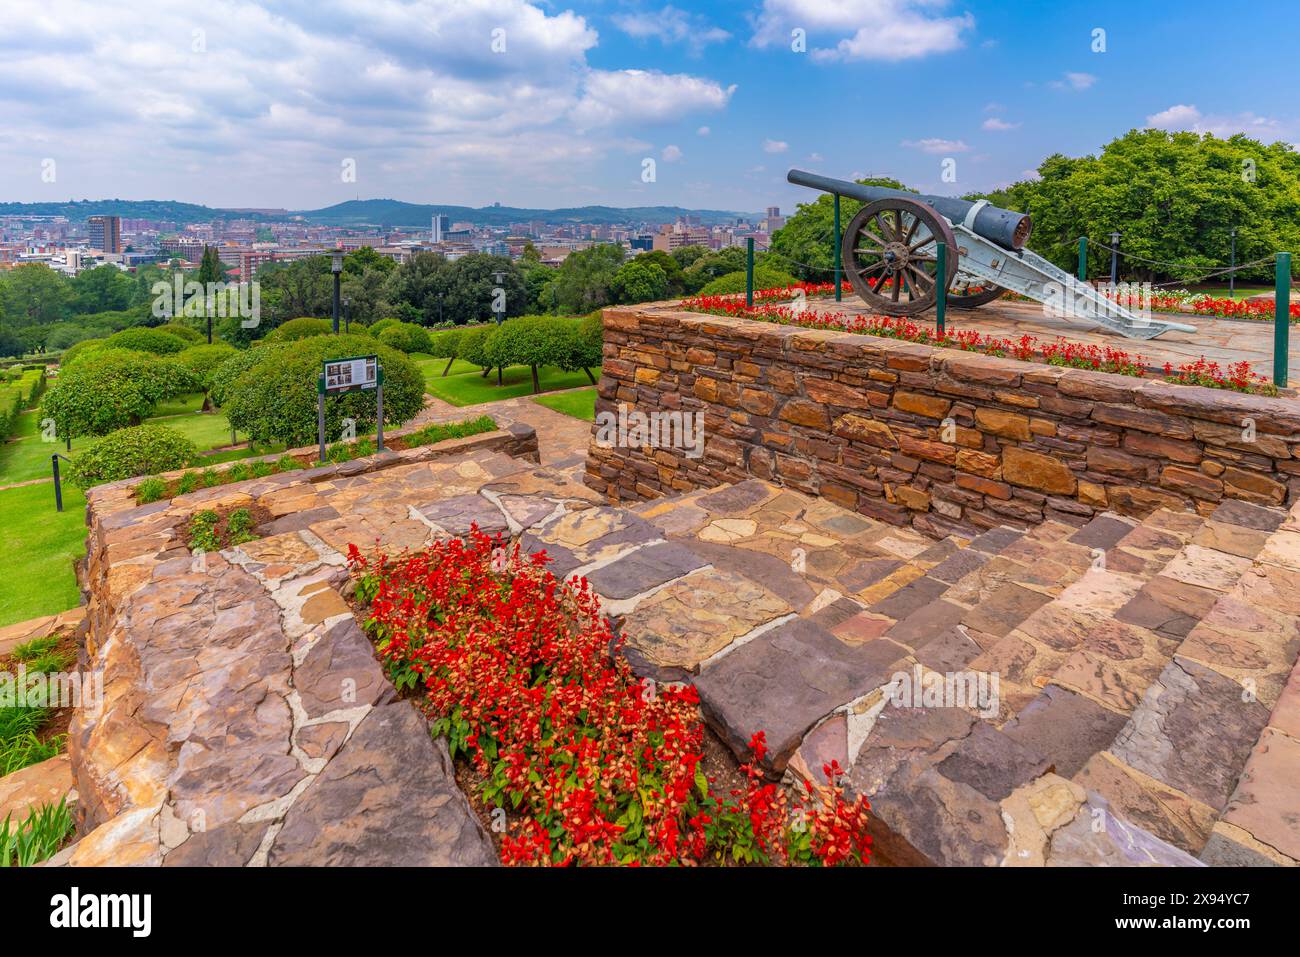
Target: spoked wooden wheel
(889, 254)
(967, 292)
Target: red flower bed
(1062, 352)
(522, 674)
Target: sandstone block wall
(940, 439)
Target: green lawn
(432, 368)
(26, 457)
(42, 545)
(581, 404)
(472, 388)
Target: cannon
(890, 255)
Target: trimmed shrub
(473, 346)
(581, 344)
(84, 347)
(184, 333)
(443, 345)
(303, 328)
(126, 453)
(205, 360)
(405, 337)
(275, 399)
(140, 339)
(111, 389)
(765, 277)
(527, 341)
(225, 375)
(375, 328)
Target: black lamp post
(500, 278)
(347, 313)
(336, 267)
(1114, 259)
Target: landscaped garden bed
(774, 305)
(568, 757)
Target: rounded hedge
(226, 374)
(302, 328)
(375, 328)
(274, 400)
(205, 360)
(443, 345)
(581, 345)
(111, 389)
(127, 453)
(473, 346)
(765, 277)
(184, 333)
(84, 347)
(405, 337)
(141, 339)
(525, 341)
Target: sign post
(339, 376)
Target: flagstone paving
(1146, 709)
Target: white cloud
(238, 103)
(671, 25)
(703, 131)
(671, 154)
(1074, 81)
(626, 96)
(995, 125)
(937, 146)
(775, 146)
(888, 30)
(1185, 116)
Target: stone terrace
(247, 721)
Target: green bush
(184, 333)
(226, 374)
(84, 347)
(473, 346)
(112, 389)
(442, 431)
(303, 328)
(405, 337)
(150, 490)
(155, 341)
(765, 277)
(581, 344)
(126, 453)
(375, 328)
(275, 399)
(205, 360)
(443, 345)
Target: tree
(301, 287)
(584, 280)
(419, 283)
(472, 289)
(33, 294)
(102, 289)
(639, 281)
(111, 389)
(211, 268)
(805, 246)
(1175, 197)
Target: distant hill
(368, 212)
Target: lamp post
(1114, 259)
(347, 313)
(499, 305)
(1232, 262)
(336, 267)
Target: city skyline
(472, 102)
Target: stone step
(944, 782)
(1199, 763)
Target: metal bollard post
(58, 485)
(1282, 320)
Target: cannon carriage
(890, 253)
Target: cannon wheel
(960, 298)
(885, 243)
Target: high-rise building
(441, 227)
(106, 233)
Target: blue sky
(279, 102)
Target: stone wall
(941, 439)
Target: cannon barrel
(1008, 229)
